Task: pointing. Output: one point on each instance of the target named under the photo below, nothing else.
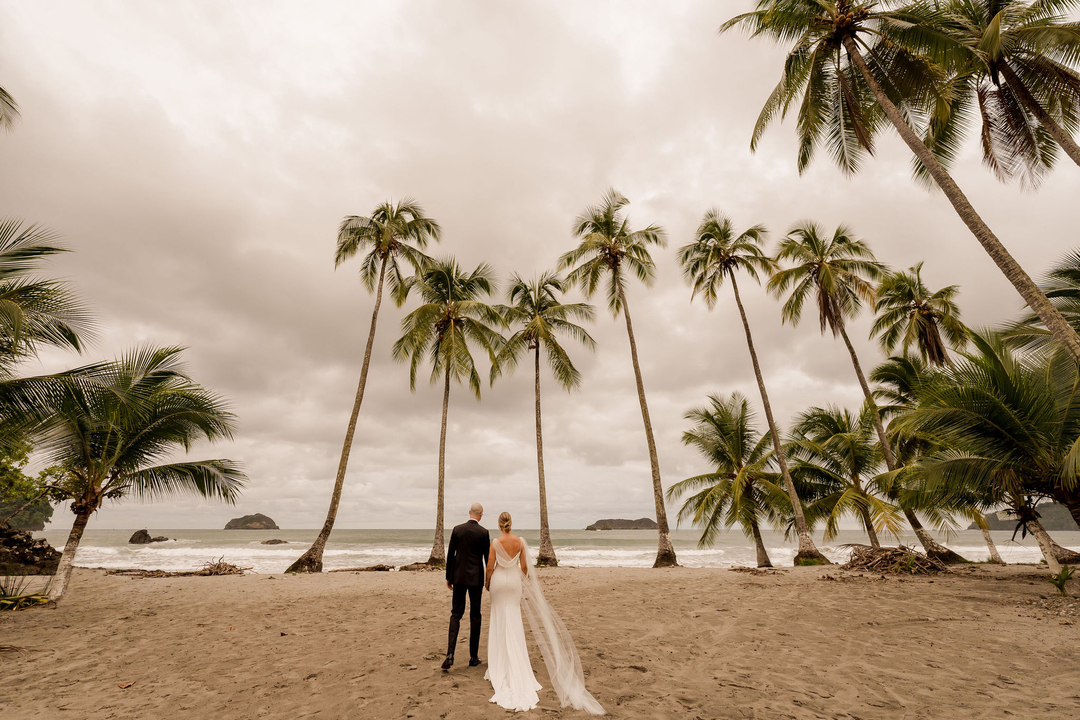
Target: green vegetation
(1061, 579)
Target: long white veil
(556, 645)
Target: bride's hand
(487, 586)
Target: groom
(466, 562)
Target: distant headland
(1053, 517)
(258, 521)
(639, 524)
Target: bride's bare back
(511, 545)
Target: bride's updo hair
(504, 522)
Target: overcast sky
(198, 157)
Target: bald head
(476, 511)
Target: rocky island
(639, 524)
(142, 537)
(258, 521)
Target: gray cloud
(198, 158)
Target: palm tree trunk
(869, 525)
(311, 561)
(1056, 131)
(665, 551)
(808, 553)
(755, 529)
(980, 520)
(438, 553)
(546, 557)
(1035, 298)
(1045, 544)
(67, 558)
(931, 546)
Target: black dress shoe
(473, 662)
(448, 661)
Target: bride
(512, 588)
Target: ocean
(189, 549)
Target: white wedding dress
(509, 667)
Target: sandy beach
(982, 642)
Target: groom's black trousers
(457, 611)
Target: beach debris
(750, 570)
(216, 567)
(13, 648)
(897, 560)
(125, 685)
(369, 568)
(15, 593)
(419, 567)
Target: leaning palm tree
(387, 237)
(541, 319)
(909, 315)
(609, 250)
(849, 89)
(833, 450)
(1028, 45)
(837, 271)
(740, 489)
(441, 330)
(1009, 429)
(114, 429)
(717, 252)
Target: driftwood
(420, 567)
(899, 560)
(370, 568)
(218, 567)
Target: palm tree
(441, 330)
(1028, 44)
(114, 429)
(834, 451)
(610, 249)
(386, 238)
(740, 489)
(908, 314)
(837, 271)
(714, 256)
(541, 319)
(9, 110)
(844, 94)
(1008, 427)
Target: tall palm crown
(1028, 45)
(385, 236)
(541, 319)
(836, 270)
(741, 488)
(451, 318)
(34, 312)
(834, 453)
(836, 107)
(609, 249)
(718, 251)
(909, 315)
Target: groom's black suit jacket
(466, 558)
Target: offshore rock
(275, 541)
(142, 537)
(639, 524)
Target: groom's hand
(449, 585)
